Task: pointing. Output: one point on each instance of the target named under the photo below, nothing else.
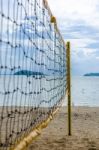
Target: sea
(84, 91)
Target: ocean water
(85, 91)
(27, 91)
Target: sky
(78, 21)
(22, 46)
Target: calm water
(85, 91)
(23, 91)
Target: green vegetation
(27, 73)
(91, 74)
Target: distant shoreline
(27, 73)
(91, 74)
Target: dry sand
(85, 131)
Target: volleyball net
(32, 68)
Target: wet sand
(85, 131)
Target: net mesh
(32, 68)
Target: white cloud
(74, 10)
(97, 58)
(81, 45)
(79, 23)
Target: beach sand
(85, 131)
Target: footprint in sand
(92, 145)
(92, 148)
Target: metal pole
(69, 87)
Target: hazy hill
(91, 74)
(27, 73)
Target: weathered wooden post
(69, 86)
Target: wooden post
(69, 87)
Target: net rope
(32, 68)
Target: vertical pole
(69, 87)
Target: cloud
(72, 10)
(27, 39)
(97, 57)
(79, 23)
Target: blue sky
(78, 21)
(22, 44)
